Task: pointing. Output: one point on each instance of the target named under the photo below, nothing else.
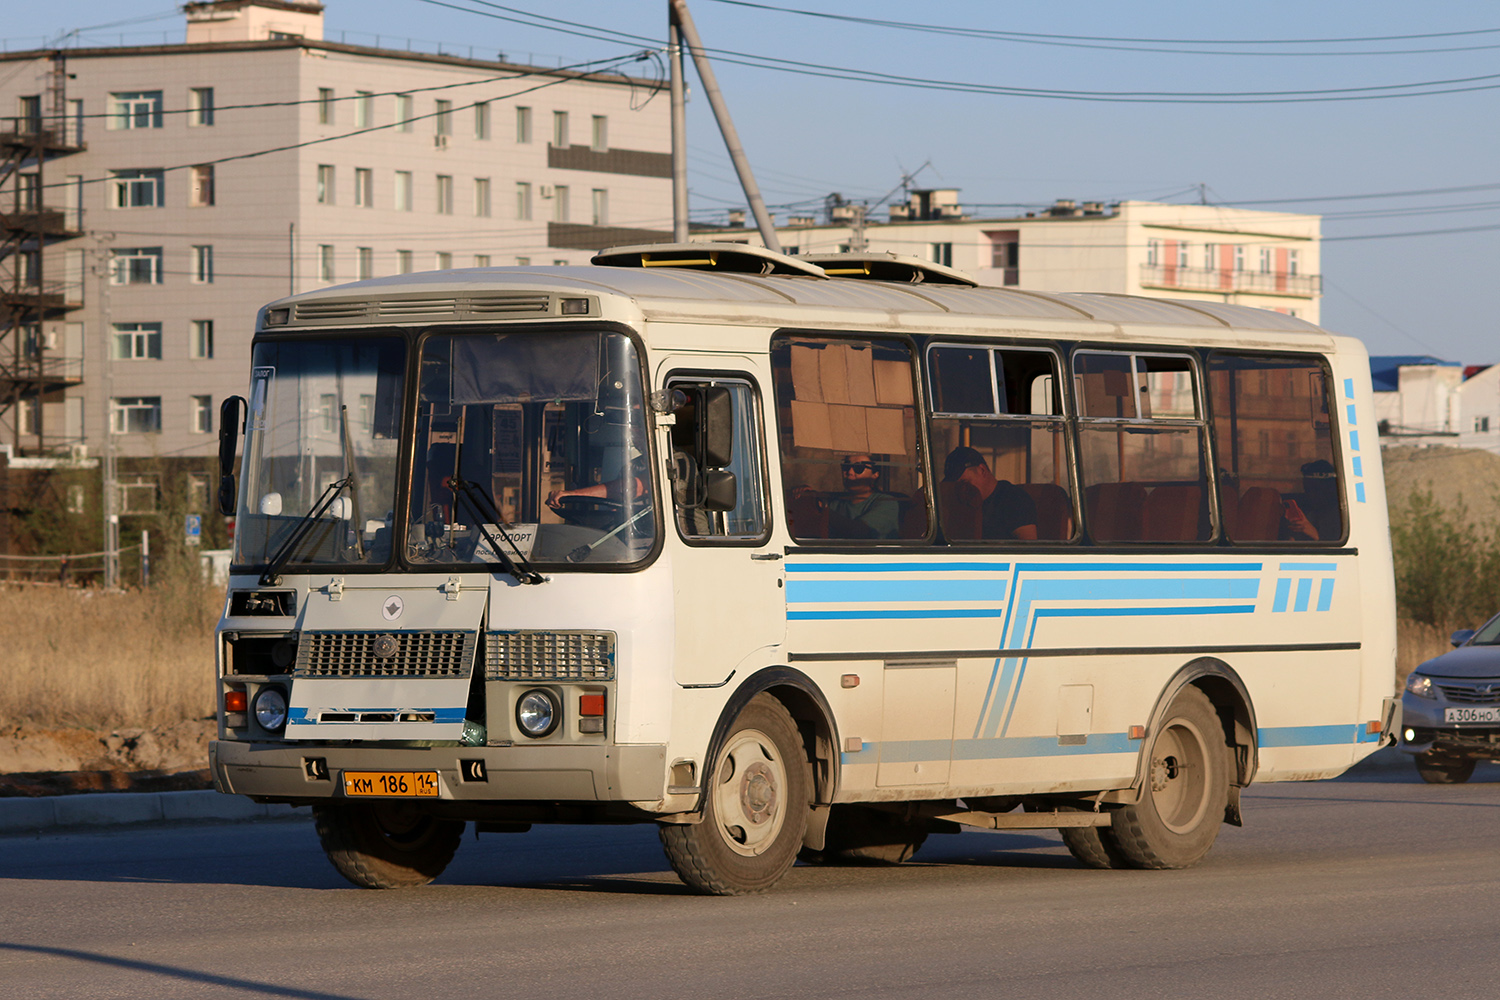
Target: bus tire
(861, 835)
(756, 799)
(1093, 847)
(1441, 769)
(1186, 789)
(386, 845)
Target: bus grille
(526, 655)
(385, 654)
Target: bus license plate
(401, 784)
(1488, 714)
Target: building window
(135, 109)
(600, 136)
(364, 109)
(140, 266)
(326, 187)
(366, 258)
(403, 190)
(523, 200)
(138, 493)
(139, 188)
(29, 414)
(404, 105)
(560, 203)
(1481, 425)
(482, 120)
(442, 260)
(403, 262)
(942, 253)
(203, 265)
(523, 261)
(601, 207)
(482, 197)
(1153, 253)
(1291, 263)
(201, 106)
(560, 129)
(202, 193)
(444, 118)
(325, 105)
(201, 346)
(481, 260)
(559, 263)
(31, 114)
(199, 497)
(444, 194)
(136, 342)
(364, 187)
(1265, 260)
(523, 124)
(325, 263)
(202, 409)
(1239, 258)
(1210, 257)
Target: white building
(162, 193)
(1269, 260)
(1425, 401)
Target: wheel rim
(401, 824)
(749, 793)
(1179, 776)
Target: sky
(1186, 102)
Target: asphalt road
(1375, 885)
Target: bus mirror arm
(231, 421)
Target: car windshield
(535, 442)
(1488, 634)
(323, 425)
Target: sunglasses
(856, 466)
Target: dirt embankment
(1457, 478)
(36, 761)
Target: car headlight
(270, 709)
(1421, 685)
(537, 714)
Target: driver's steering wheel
(588, 511)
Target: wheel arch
(804, 700)
(1226, 690)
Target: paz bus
(793, 557)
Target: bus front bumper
(304, 772)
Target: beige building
(1268, 260)
(153, 197)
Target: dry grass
(1415, 642)
(90, 659)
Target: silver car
(1450, 709)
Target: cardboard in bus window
(860, 376)
(807, 377)
(810, 428)
(885, 431)
(849, 427)
(893, 383)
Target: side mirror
(231, 418)
(716, 428)
(720, 492)
(1462, 636)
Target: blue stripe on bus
(303, 716)
(908, 567)
(1283, 591)
(895, 591)
(839, 614)
(1311, 736)
(1304, 592)
(1309, 567)
(1325, 594)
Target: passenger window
(706, 507)
(1140, 439)
(1273, 445)
(850, 464)
(1001, 444)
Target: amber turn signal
(234, 700)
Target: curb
(61, 812)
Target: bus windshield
(535, 442)
(321, 439)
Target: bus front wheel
(754, 811)
(386, 845)
(1187, 788)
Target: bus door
(728, 584)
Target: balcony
(1196, 279)
(51, 136)
(50, 296)
(53, 223)
(42, 372)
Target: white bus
(793, 556)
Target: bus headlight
(537, 714)
(1421, 686)
(270, 709)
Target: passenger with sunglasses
(861, 511)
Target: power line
(1379, 194)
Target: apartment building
(1268, 260)
(154, 196)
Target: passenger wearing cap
(1006, 510)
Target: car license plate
(1489, 713)
(401, 784)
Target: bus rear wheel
(386, 845)
(1187, 788)
(754, 811)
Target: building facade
(157, 195)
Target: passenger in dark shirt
(1006, 510)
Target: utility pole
(110, 483)
(679, 135)
(678, 15)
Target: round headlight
(1421, 686)
(537, 714)
(270, 709)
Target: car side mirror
(1462, 636)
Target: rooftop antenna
(681, 23)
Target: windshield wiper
(272, 575)
(520, 567)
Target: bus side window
(1001, 444)
(700, 504)
(1273, 444)
(850, 460)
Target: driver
(614, 490)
